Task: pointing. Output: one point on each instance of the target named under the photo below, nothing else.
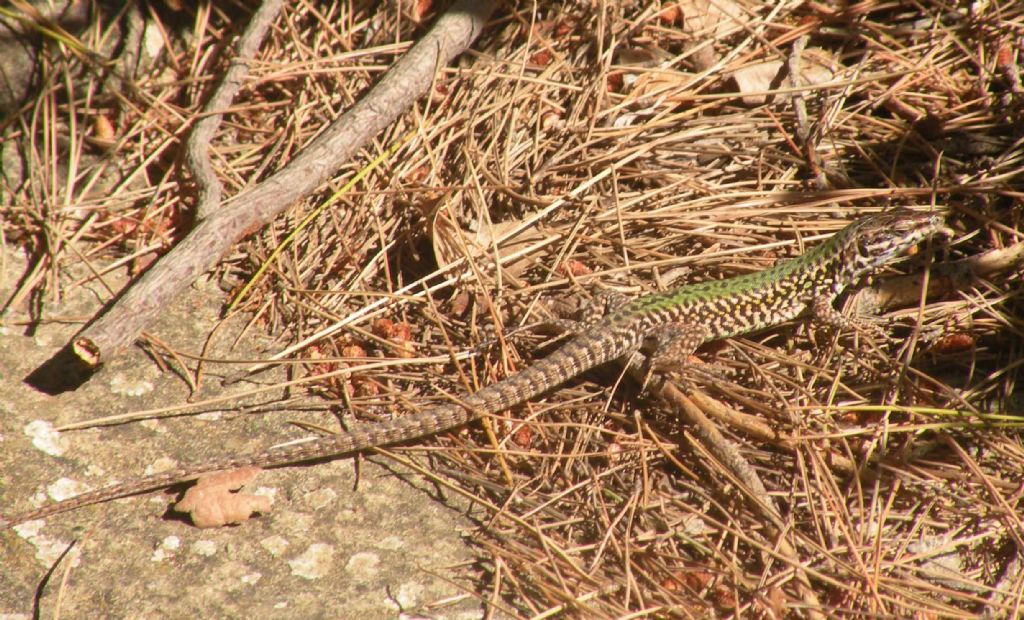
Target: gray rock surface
(328, 547)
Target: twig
(756, 492)
(803, 125)
(904, 290)
(758, 430)
(396, 92)
(197, 151)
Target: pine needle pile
(633, 147)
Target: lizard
(672, 324)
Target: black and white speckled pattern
(717, 309)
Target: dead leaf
(451, 242)
(647, 56)
(399, 333)
(817, 66)
(670, 15)
(707, 20)
(660, 87)
(211, 502)
(663, 88)
(422, 8)
(541, 58)
(523, 436)
(777, 602)
(564, 27)
(704, 19)
(103, 134)
(575, 268)
(957, 342)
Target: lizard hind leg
(603, 303)
(590, 313)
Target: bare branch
(396, 92)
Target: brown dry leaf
(954, 343)
(704, 20)
(421, 9)
(648, 56)
(353, 350)
(670, 15)
(575, 268)
(615, 81)
(696, 580)
(103, 135)
(818, 66)
(399, 333)
(664, 87)
(211, 502)
(460, 303)
(452, 243)
(417, 9)
(777, 602)
(541, 58)
(523, 436)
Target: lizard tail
(361, 437)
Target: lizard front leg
(673, 344)
(824, 313)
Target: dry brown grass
(596, 500)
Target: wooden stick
(197, 151)
(124, 318)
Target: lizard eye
(865, 246)
(875, 249)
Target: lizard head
(875, 240)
